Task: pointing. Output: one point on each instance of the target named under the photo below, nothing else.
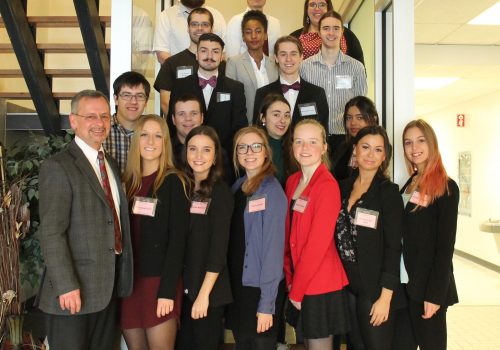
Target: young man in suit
(131, 92)
(253, 68)
(84, 233)
(223, 99)
(306, 100)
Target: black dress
(241, 314)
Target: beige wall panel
(67, 60)
(61, 8)
(288, 12)
(13, 85)
(72, 84)
(9, 61)
(59, 35)
(4, 37)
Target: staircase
(59, 47)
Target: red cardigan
(309, 243)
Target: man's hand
(71, 301)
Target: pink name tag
(257, 204)
(144, 206)
(366, 218)
(300, 204)
(416, 198)
(198, 207)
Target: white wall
(480, 137)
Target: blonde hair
(132, 176)
(252, 184)
(325, 159)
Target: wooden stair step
(55, 73)
(52, 47)
(27, 96)
(58, 21)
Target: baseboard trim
(477, 260)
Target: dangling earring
(215, 160)
(308, 21)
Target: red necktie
(109, 197)
(294, 86)
(204, 82)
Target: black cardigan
(206, 249)
(378, 250)
(162, 237)
(428, 244)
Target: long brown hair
(133, 172)
(434, 179)
(252, 184)
(216, 170)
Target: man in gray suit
(253, 68)
(84, 233)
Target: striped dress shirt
(342, 81)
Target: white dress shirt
(260, 73)
(291, 95)
(91, 155)
(207, 91)
(171, 32)
(234, 41)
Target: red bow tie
(294, 86)
(203, 82)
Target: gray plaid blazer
(77, 235)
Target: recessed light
(489, 17)
(433, 83)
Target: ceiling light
(490, 16)
(433, 83)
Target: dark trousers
(430, 333)
(201, 334)
(94, 331)
(363, 335)
(257, 343)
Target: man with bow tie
(306, 100)
(224, 106)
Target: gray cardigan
(265, 242)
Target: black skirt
(324, 315)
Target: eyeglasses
(128, 97)
(243, 148)
(320, 5)
(94, 118)
(204, 25)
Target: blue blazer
(265, 242)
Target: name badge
(223, 96)
(184, 71)
(300, 204)
(416, 198)
(343, 82)
(366, 218)
(144, 206)
(307, 109)
(256, 204)
(200, 207)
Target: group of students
(356, 257)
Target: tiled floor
(474, 323)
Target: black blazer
(225, 117)
(308, 93)
(354, 48)
(340, 157)
(162, 237)
(206, 249)
(378, 250)
(428, 244)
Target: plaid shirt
(118, 143)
